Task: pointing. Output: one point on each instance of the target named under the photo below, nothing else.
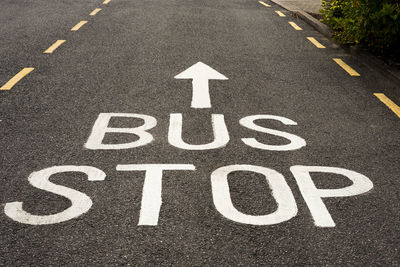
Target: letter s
(81, 203)
(296, 142)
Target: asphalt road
(124, 60)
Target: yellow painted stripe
(16, 78)
(94, 12)
(79, 25)
(265, 4)
(280, 14)
(54, 46)
(315, 42)
(106, 2)
(295, 26)
(346, 67)
(389, 103)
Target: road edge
(318, 25)
(375, 63)
(371, 61)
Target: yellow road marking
(280, 14)
(315, 42)
(346, 67)
(295, 26)
(79, 25)
(106, 2)
(54, 46)
(94, 12)
(16, 78)
(265, 4)
(389, 103)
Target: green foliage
(371, 23)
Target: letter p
(313, 196)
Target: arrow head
(200, 71)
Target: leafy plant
(371, 23)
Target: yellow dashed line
(265, 4)
(20, 75)
(295, 26)
(16, 78)
(315, 42)
(54, 46)
(79, 25)
(346, 67)
(94, 12)
(389, 103)
(280, 14)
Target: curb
(318, 25)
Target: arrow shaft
(201, 94)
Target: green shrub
(371, 23)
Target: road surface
(181, 132)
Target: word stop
(152, 193)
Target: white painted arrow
(201, 74)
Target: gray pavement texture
(124, 60)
